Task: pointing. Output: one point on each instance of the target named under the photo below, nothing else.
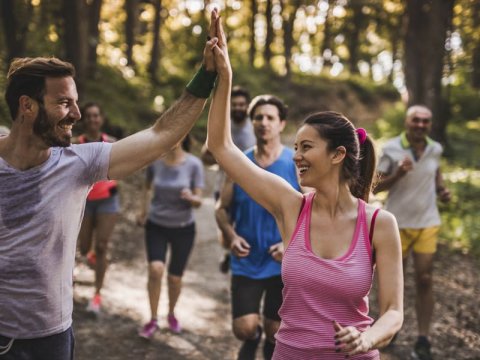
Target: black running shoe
(224, 265)
(421, 350)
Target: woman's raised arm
(269, 190)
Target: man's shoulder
(395, 142)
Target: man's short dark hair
(26, 76)
(240, 91)
(268, 99)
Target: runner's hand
(186, 194)
(277, 251)
(240, 247)
(351, 341)
(208, 57)
(404, 166)
(220, 50)
(444, 195)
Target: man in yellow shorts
(409, 169)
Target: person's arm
(207, 157)
(388, 252)
(144, 201)
(386, 181)
(271, 191)
(138, 150)
(442, 191)
(231, 240)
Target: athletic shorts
(181, 244)
(247, 294)
(422, 241)
(109, 205)
(53, 347)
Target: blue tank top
(257, 226)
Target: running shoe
(173, 324)
(225, 263)
(91, 259)
(148, 329)
(95, 304)
(421, 350)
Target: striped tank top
(318, 291)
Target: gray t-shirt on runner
(167, 207)
(40, 215)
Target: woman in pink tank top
(328, 264)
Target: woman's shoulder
(383, 217)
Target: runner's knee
(155, 270)
(100, 248)
(245, 330)
(424, 280)
(271, 328)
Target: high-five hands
(208, 56)
(220, 50)
(350, 341)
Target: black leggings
(181, 244)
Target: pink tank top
(318, 291)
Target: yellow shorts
(423, 241)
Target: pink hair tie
(362, 135)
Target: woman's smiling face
(312, 157)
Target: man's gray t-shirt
(40, 216)
(167, 207)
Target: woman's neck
(333, 197)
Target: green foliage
(391, 123)
(464, 102)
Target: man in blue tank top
(253, 235)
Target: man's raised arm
(138, 150)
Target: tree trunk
(15, 33)
(131, 25)
(94, 11)
(155, 53)
(428, 22)
(289, 16)
(253, 47)
(75, 38)
(327, 34)
(353, 37)
(476, 49)
(267, 51)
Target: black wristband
(202, 83)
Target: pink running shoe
(95, 304)
(173, 324)
(149, 329)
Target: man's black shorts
(247, 295)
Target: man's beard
(238, 116)
(45, 130)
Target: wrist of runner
(202, 83)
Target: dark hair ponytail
(363, 186)
(360, 159)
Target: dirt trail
(204, 309)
